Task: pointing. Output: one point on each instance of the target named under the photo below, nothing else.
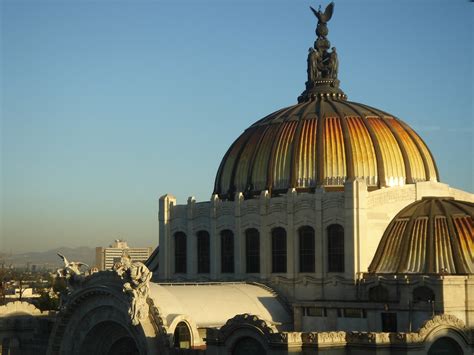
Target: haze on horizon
(108, 105)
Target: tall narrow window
(182, 336)
(252, 251)
(335, 248)
(278, 250)
(306, 235)
(227, 251)
(203, 252)
(180, 253)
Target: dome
(324, 140)
(432, 236)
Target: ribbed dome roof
(430, 236)
(323, 140)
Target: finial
(322, 64)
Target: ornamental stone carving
(245, 321)
(72, 272)
(137, 286)
(438, 320)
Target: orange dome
(324, 141)
(433, 235)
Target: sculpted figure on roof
(137, 286)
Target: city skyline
(109, 105)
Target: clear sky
(106, 105)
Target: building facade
(105, 258)
(328, 232)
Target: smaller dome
(432, 236)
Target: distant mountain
(50, 257)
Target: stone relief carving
(442, 319)
(245, 320)
(137, 286)
(324, 337)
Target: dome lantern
(323, 65)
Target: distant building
(105, 258)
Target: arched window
(306, 235)
(335, 248)
(248, 346)
(445, 345)
(279, 250)
(252, 250)
(180, 253)
(378, 293)
(227, 251)
(423, 294)
(182, 336)
(203, 252)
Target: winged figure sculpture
(72, 267)
(325, 16)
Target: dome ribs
(376, 144)
(262, 159)
(403, 149)
(392, 153)
(430, 243)
(437, 239)
(241, 175)
(334, 167)
(296, 156)
(430, 166)
(319, 145)
(218, 182)
(240, 146)
(250, 182)
(323, 142)
(348, 151)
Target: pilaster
(166, 204)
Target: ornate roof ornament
(322, 64)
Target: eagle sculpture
(325, 16)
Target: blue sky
(106, 105)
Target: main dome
(324, 140)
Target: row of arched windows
(335, 250)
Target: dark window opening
(315, 312)
(389, 322)
(203, 252)
(335, 248)
(252, 251)
(423, 294)
(354, 313)
(248, 346)
(306, 235)
(278, 250)
(227, 251)
(446, 346)
(180, 253)
(182, 336)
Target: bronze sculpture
(323, 64)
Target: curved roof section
(324, 141)
(212, 304)
(432, 236)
